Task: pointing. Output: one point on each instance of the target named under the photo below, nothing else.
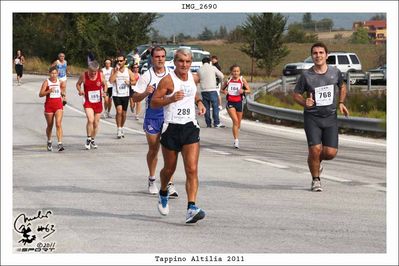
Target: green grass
(37, 65)
(360, 104)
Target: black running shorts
(237, 105)
(321, 130)
(19, 69)
(176, 135)
(124, 101)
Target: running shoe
(220, 107)
(105, 115)
(236, 144)
(163, 206)
(137, 117)
(220, 126)
(108, 115)
(49, 146)
(60, 147)
(87, 144)
(119, 133)
(122, 133)
(194, 214)
(172, 191)
(316, 186)
(93, 144)
(152, 187)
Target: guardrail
(359, 123)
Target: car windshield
(308, 60)
(197, 57)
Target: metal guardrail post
(348, 81)
(284, 84)
(368, 81)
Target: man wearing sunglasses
(121, 79)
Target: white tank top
(107, 75)
(183, 111)
(120, 88)
(56, 87)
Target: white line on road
(333, 178)
(218, 152)
(377, 187)
(267, 163)
(104, 121)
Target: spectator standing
(208, 74)
(215, 62)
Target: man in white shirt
(208, 74)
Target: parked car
(344, 61)
(144, 53)
(198, 55)
(293, 69)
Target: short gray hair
(184, 51)
(93, 65)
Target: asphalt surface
(257, 199)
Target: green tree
(307, 21)
(296, 34)
(264, 39)
(325, 24)
(206, 34)
(222, 33)
(360, 36)
(46, 34)
(380, 16)
(236, 35)
(181, 37)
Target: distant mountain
(194, 23)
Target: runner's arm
(200, 105)
(223, 88)
(112, 78)
(342, 97)
(196, 78)
(142, 89)
(133, 80)
(104, 81)
(246, 87)
(43, 90)
(79, 83)
(164, 88)
(63, 88)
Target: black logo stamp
(32, 229)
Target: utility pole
(253, 61)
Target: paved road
(257, 198)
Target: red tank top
(93, 88)
(233, 87)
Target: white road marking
(218, 152)
(333, 178)
(106, 122)
(267, 163)
(377, 187)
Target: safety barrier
(359, 123)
